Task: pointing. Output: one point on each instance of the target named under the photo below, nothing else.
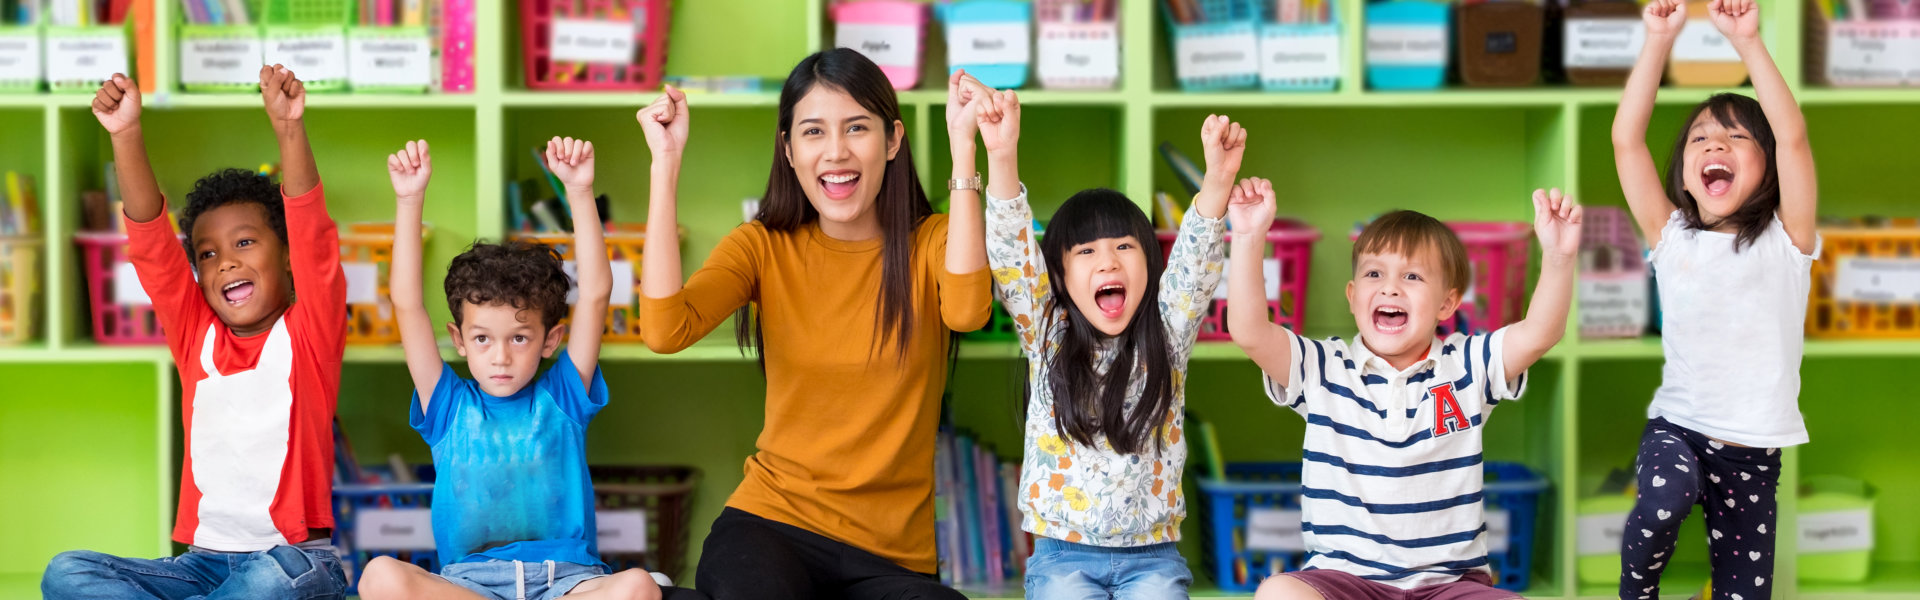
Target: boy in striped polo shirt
(1391, 498)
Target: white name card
(885, 45)
(126, 286)
(1222, 55)
(405, 60)
(622, 530)
(234, 60)
(1407, 45)
(1603, 43)
(1067, 56)
(1877, 280)
(1873, 53)
(1274, 530)
(363, 281)
(1613, 303)
(622, 282)
(314, 56)
(81, 57)
(393, 529)
(1300, 56)
(989, 44)
(1599, 534)
(1700, 42)
(19, 56)
(591, 41)
(1838, 531)
(1499, 528)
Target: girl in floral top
(1104, 448)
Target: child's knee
(1281, 587)
(385, 577)
(633, 584)
(67, 569)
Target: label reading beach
(622, 530)
(221, 60)
(1599, 534)
(1873, 53)
(1837, 531)
(91, 58)
(19, 57)
(1700, 42)
(1080, 56)
(588, 41)
(1877, 280)
(885, 45)
(1300, 56)
(394, 529)
(1224, 55)
(314, 56)
(1603, 43)
(1407, 45)
(126, 286)
(988, 44)
(1613, 303)
(391, 61)
(1274, 530)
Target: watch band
(971, 183)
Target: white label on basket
(19, 57)
(989, 44)
(591, 41)
(89, 58)
(1223, 55)
(1407, 45)
(1877, 280)
(393, 529)
(391, 61)
(221, 60)
(312, 56)
(1067, 56)
(1700, 42)
(1599, 534)
(363, 280)
(1837, 531)
(1604, 43)
(126, 286)
(1499, 528)
(1613, 303)
(1269, 269)
(1300, 56)
(1274, 530)
(622, 282)
(622, 530)
(885, 45)
(1873, 53)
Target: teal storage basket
(1279, 80)
(1404, 16)
(1232, 27)
(1003, 74)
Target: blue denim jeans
(281, 572)
(1061, 570)
(513, 580)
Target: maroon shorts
(1341, 585)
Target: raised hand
(665, 123)
(283, 93)
(1250, 207)
(1000, 122)
(410, 168)
(1739, 20)
(117, 104)
(1225, 143)
(1556, 221)
(966, 97)
(571, 161)
(1665, 17)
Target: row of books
(976, 507)
(20, 215)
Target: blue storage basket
(1223, 18)
(1225, 505)
(1271, 31)
(992, 12)
(1410, 13)
(350, 499)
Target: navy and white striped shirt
(1391, 475)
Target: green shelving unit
(95, 429)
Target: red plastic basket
(115, 323)
(650, 45)
(1292, 244)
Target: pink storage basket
(1499, 252)
(1614, 296)
(893, 33)
(115, 323)
(1292, 244)
(650, 45)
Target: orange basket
(624, 246)
(1867, 282)
(366, 258)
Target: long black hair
(1087, 403)
(1753, 217)
(901, 204)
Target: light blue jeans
(514, 580)
(1061, 570)
(280, 572)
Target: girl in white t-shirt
(1733, 237)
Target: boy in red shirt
(259, 372)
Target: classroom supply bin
(122, 313)
(219, 58)
(644, 516)
(1701, 56)
(1601, 521)
(1407, 44)
(1853, 53)
(1075, 55)
(1601, 40)
(366, 258)
(1863, 285)
(373, 517)
(309, 36)
(991, 39)
(390, 59)
(1301, 56)
(1835, 529)
(891, 33)
(19, 288)
(1500, 43)
(1220, 53)
(569, 66)
(1614, 280)
(1291, 243)
(624, 247)
(77, 59)
(1267, 497)
(21, 69)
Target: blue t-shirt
(511, 478)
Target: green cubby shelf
(96, 426)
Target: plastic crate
(1279, 39)
(366, 257)
(19, 288)
(1006, 25)
(1292, 246)
(122, 314)
(1848, 301)
(1407, 44)
(352, 501)
(1836, 523)
(201, 43)
(1615, 283)
(641, 72)
(1598, 561)
(1882, 52)
(1500, 253)
(1226, 506)
(1075, 56)
(1227, 37)
(1500, 43)
(891, 33)
(665, 495)
(1597, 41)
(624, 248)
(20, 48)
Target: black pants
(750, 558)
(1679, 468)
